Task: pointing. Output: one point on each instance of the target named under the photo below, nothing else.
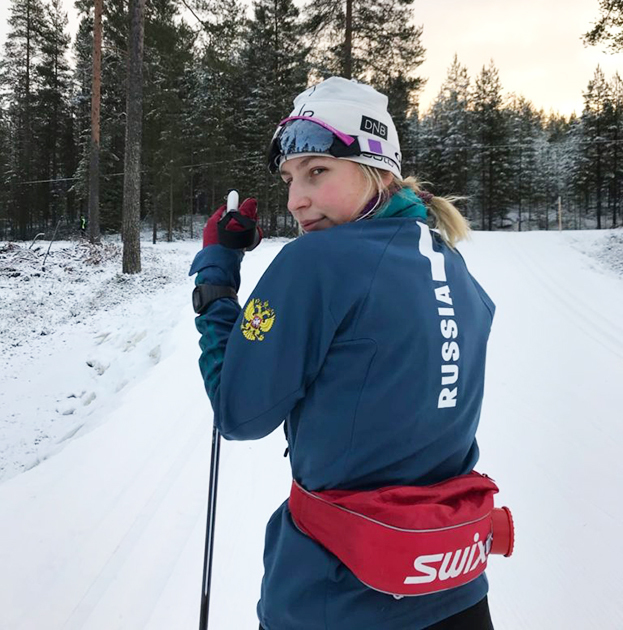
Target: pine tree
(609, 28)
(81, 108)
(564, 132)
(351, 44)
(548, 178)
(275, 71)
(5, 198)
(52, 113)
(18, 84)
(558, 132)
(580, 171)
(597, 109)
(133, 134)
(113, 104)
(490, 183)
(450, 153)
(375, 42)
(615, 189)
(168, 141)
(526, 140)
(216, 104)
(113, 112)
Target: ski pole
(209, 546)
(232, 206)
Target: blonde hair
(449, 221)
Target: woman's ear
(387, 177)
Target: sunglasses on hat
(303, 134)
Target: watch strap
(205, 294)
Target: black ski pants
(475, 618)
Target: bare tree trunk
(192, 195)
(154, 227)
(133, 135)
(170, 230)
(490, 196)
(616, 171)
(599, 176)
(25, 214)
(348, 41)
(94, 163)
(520, 187)
(483, 186)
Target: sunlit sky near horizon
(536, 46)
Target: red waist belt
(405, 540)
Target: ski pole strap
(404, 540)
(236, 239)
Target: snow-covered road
(108, 531)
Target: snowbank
(76, 332)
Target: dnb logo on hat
(374, 127)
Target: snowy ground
(105, 439)
(73, 335)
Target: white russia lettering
(450, 351)
(453, 563)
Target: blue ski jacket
(369, 340)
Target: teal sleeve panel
(219, 266)
(215, 326)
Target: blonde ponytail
(449, 221)
(452, 225)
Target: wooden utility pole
(94, 162)
(133, 136)
(559, 212)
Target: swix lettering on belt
(453, 563)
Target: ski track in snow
(105, 530)
(556, 357)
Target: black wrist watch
(205, 294)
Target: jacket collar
(403, 203)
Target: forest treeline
(218, 78)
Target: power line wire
(254, 159)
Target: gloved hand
(248, 212)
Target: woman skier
(367, 335)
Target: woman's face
(324, 191)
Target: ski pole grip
(503, 530)
(233, 201)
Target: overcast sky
(536, 45)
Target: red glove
(248, 208)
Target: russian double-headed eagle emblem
(258, 319)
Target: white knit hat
(352, 109)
